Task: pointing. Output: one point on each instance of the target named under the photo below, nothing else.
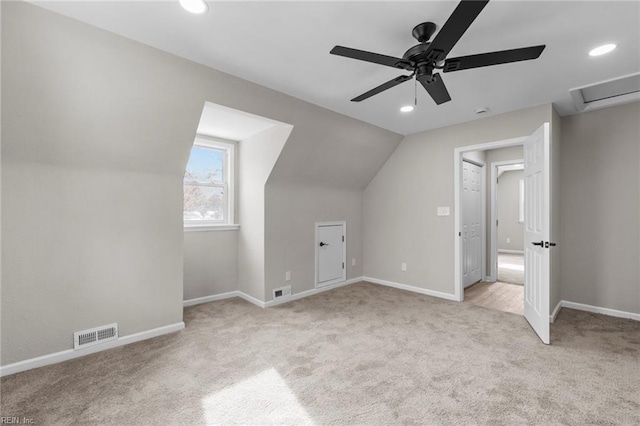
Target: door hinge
(342, 265)
(343, 238)
(496, 223)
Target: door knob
(541, 243)
(323, 244)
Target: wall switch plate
(353, 262)
(443, 211)
(403, 266)
(508, 240)
(287, 276)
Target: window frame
(521, 201)
(228, 185)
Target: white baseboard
(251, 299)
(212, 298)
(414, 289)
(600, 310)
(61, 356)
(511, 251)
(555, 312)
(307, 293)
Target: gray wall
(82, 103)
(296, 235)
(258, 155)
(400, 222)
(492, 156)
(509, 225)
(210, 263)
(600, 187)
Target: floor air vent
(608, 93)
(93, 336)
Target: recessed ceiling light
(407, 108)
(194, 6)
(601, 50)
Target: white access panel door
(471, 223)
(330, 254)
(536, 231)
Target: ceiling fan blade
(376, 58)
(492, 58)
(435, 87)
(388, 85)
(459, 21)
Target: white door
(471, 223)
(536, 231)
(330, 254)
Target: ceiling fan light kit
(422, 59)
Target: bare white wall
(600, 187)
(400, 203)
(509, 226)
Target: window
(521, 202)
(208, 184)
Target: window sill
(207, 228)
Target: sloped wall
(97, 126)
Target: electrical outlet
(508, 240)
(287, 276)
(403, 266)
(353, 262)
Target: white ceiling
(230, 124)
(285, 46)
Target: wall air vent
(282, 292)
(93, 336)
(607, 93)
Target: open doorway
(507, 208)
(535, 293)
(502, 287)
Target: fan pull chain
(415, 91)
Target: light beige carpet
(361, 354)
(511, 268)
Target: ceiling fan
(423, 58)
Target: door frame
(457, 202)
(344, 254)
(483, 215)
(493, 271)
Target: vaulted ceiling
(285, 46)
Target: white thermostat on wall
(443, 211)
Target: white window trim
(521, 201)
(228, 187)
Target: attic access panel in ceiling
(607, 93)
